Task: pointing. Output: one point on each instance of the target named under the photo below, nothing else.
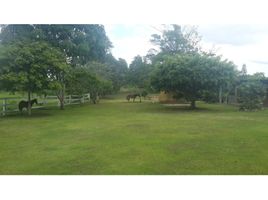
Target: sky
(241, 43)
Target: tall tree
(117, 71)
(139, 73)
(226, 78)
(80, 43)
(252, 92)
(177, 40)
(30, 67)
(81, 80)
(244, 70)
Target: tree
(80, 80)
(251, 92)
(225, 78)
(113, 71)
(186, 42)
(117, 71)
(186, 75)
(244, 71)
(80, 42)
(177, 40)
(30, 67)
(122, 70)
(139, 73)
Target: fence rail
(10, 104)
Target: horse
(133, 96)
(24, 104)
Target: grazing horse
(24, 104)
(133, 96)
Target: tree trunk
(29, 103)
(61, 98)
(220, 95)
(62, 104)
(226, 99)
(235, 94)
(193, 106)
(60, 95)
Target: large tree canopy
(251, 90)
(187, 75)
(176, 40)
(184, 69)
(31, 67)
(80, 43)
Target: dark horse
(24, 104)
(133, 96)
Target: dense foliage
(31, 67)
(187, 76)
(251, 92)
(139, 73)
(77, 46)
(80, 43)
(185, 70)
(76, 59)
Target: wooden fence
(10, 104)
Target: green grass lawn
(115, 137)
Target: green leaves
(30, 66)
(80, 43)
(177, 40)
(188, 75)
(139, 73)
(81, 80)
(251, 92)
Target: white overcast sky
(241, 43)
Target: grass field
(116, 137)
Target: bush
(210, 97)
(251, 95)
(144, 93)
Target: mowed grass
(116, 137)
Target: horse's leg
(20, 108)
(134, 99)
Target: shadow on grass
(36, 113)
(131, 102)
(203, 108)
(26, 116)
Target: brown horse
(133, 96)
(24, 104)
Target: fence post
(45, 100)
(4, 107)
(88, 97)
(83, 99)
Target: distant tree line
(180, 66)
(76, 59)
